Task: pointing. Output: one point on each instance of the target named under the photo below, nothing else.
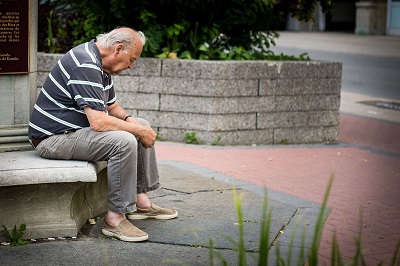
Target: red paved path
(367, 183)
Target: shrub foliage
(196, 29)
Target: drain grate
(386, 105)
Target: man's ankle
(113, 218)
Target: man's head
(120, 48)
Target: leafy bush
(197, 29)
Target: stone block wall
(231, 102)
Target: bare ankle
(114, 218)
(143, 201)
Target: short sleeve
(86, 85)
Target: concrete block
(196, 122)
(220, 69)
(298, 119)
(237, 137)
(22, 99)
(150, 84)
(41, 78)
(255, 69)
(199, 87)
(213, 105)
(329, 86)
(211, 87)
(7, 99)
(309, 135)
(193, 69)
(310, 69)
(145, 67)
(15, 100)
(126, 83)
(307, 103)
(142, 101)
(46, 62)
(296, 86)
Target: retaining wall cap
(25, 168)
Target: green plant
(191, 138)
(217, 141)
(283, 142)
(50, 43)
(312, 257)
(197, 29)
(159, 137)
(16, 235)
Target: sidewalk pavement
(199, 181)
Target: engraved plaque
(14, 36)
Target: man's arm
(100, 121)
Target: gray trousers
(131, 168)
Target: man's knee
(125, 139)
(142, 121)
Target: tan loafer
(125, 231)
(154, 212)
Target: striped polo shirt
(76, 81)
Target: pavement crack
(197, 191)
(201, 246)
(282, 230)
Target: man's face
(124, 58)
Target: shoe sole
(125, 238)
(157, 217)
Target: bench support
(52, 209)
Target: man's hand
(148, 137)
(100, 121)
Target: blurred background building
(374, 17)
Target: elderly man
(77, 117)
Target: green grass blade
(211, 252)
(264, 234)
(396, 257)
(303, 239)
(313, 257)
(336, 257)
(292, 236)
(238, 204)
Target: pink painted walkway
(366, 183)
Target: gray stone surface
(126, 83)
(324, 135)
(220, 97)
(300, 86)
(52, 197)
(24, 168)
(56, 209)
(196, 122)
(205, 202)
(46, 62)
(297, 119)
(214, 105)
(235, 137)
(139, 101)
(14, 138)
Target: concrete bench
(54, 198)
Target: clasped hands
(148, 137)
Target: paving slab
(206, 208)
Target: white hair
(114, 37)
